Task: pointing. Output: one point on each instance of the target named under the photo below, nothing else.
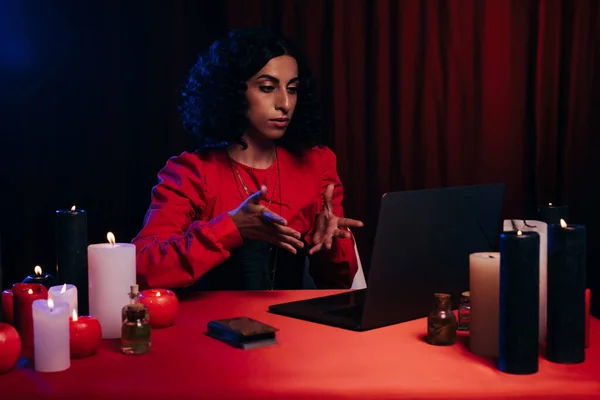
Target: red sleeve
(334, 268)
(175, 246)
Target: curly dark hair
(213, 98)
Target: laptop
(422, 247)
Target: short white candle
(51, 351)
(484, 286)
(111, 272)
(66, 293)
(542, 229)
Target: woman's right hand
(255, 221)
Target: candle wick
(514, 225)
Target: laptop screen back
(422, 247)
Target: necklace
(248, 194)
(277, 184)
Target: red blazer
(187, 229)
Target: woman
(262, 194)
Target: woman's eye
(267, 89)
(292, 90)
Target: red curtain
(423, 94)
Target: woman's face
(272, 97)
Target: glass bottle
(464, 311)
(135, 331)
(441, 321)
(134, 298)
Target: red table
(311, 361)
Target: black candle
(71, 252)
(519, 302)
(566, 293)
(40, 276)
(552, 214)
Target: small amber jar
(441, 321)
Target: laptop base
(343, 310)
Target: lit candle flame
(74, 315)
(157, 294)
(30, 291)
(50, 304)
(111, 238)
(73, 208)
(64, 289)
(519, 233)
(563, 223)
(549, 204)
(37, 270)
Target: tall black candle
(519, 302)
(566, 293)
(71, 253)
(552, 214)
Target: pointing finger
(258, 196)
(349, 223)
(328, 196)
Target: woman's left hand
(329, 226)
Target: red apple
(85, 334)
(10, 347)
(162, 306)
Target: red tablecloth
(311, 361)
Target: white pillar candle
(111, 272)
(51, 351)
(484, 276)
(66, 293)
(542, 229)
